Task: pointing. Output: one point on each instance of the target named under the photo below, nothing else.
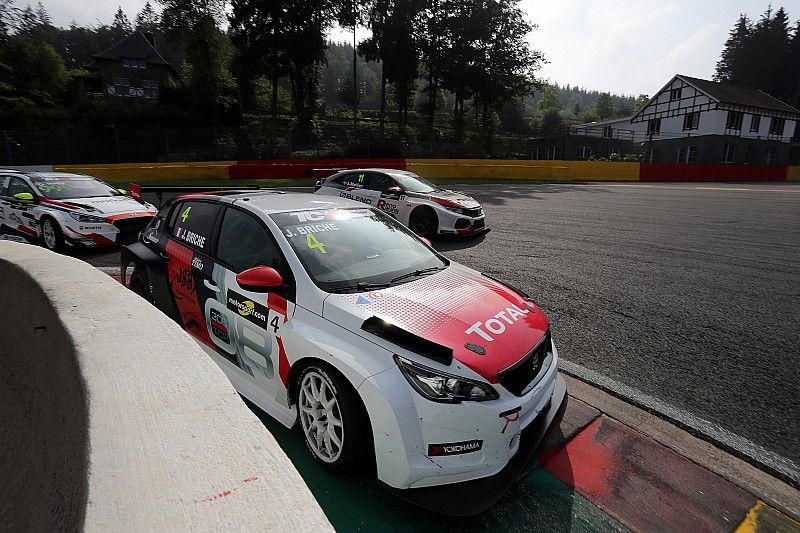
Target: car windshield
(411, 183)
(67, 187)
(356, 250)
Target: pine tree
(121, 26)
(729, 60)
(147, 20)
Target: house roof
(735, 95)
(136, 46)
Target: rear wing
(137, 190)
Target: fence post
(9, 155)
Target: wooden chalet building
(131, 70)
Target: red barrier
(305, 168)
(699, 172)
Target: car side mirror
(259, 279)
(123, 191)
(24, 196)
(427, 241)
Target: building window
(675, 94)
(132, 62)
(687, 154)
(729, 153)
(748, 155)
(608, 132)
(150, 89)
(654, 126)
(770, 159)
(734, 120)
(691, 121)
(755, 123)
(119, 88)
(552, 152)
(776, 126)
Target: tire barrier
(114, 419)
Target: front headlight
(86, 218)
(454, 209)
(441, 387)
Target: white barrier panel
(113, 419)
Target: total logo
(497, 324)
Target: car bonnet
(104, 205)
(454, 199)
(488, 326)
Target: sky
(625, 47)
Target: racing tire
(140, 284)
(424, 222)
(52, 236)
(333, 420)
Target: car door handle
(210, 284)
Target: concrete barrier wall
(793, 174)
(143, 172)
(114, 419)
(524, 169)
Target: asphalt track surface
(688, 293)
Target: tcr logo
(497, 324)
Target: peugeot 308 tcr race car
(417, 203)
(329, 313)
(73, 209)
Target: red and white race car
(69, 209)
(417, 203)
(330, 314)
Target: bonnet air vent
(409, 341)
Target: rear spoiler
(136, 190)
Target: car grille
(129, 228)
(476, 212)
(479, 224)
(518, 377)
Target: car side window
(245, 243)
(4, 185)
(193, 223)
(381, 182)
(17, 186)
(356, 180)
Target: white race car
(332, 314)
(417, 203)
(69, 209)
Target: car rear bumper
(472, 497)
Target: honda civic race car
(420, 205)
(331, 315)
(73, 209)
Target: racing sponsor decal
(182, 284)
(363, 300)
(390, 208)
(203, 264)
(252, 311)
(356, 197)
(219, 326)
(494, 325)
(454, 448)
(310, 228)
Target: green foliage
(33, 70)
(551, 100)
(602, 109)
(551, 123)
(763, 55)
(640, 102)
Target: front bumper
(472, 497)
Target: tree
(603, 107)
(42, 15)
(640, 102)
(121, 26)
(551, 100)
(34, 70)
(147, 19)
(8, 18)
(195, 25)
(731, 53)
